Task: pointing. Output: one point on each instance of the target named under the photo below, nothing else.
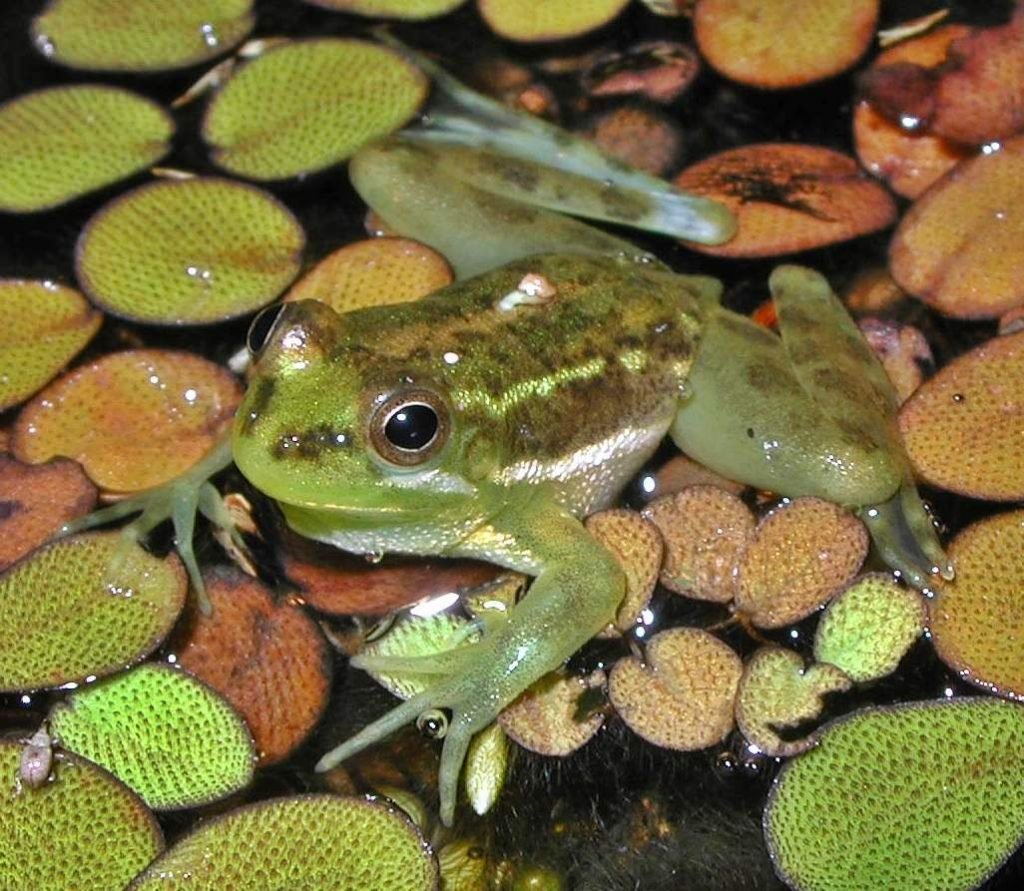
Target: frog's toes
(905, 536)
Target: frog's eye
(409, 427)
(261, 328)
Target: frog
(488, 419)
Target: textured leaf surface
(964, 427)
(189, 252)
(133, 420)
(36, 500)
(306, 105)
(59, 143)
(313, 842)
(83, 830)
(45, 327)
(924, 796)
(868, 628)
(392, 9)
(532, 22)
(161, 732)
(139, 35)
(977, 620)
(544, 719)
(268, 659)
(82, 607)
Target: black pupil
(412, 427)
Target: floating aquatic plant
(373, 272)
(84, 607)
(776, 44)
(139, 35)
(681, 696)
(777, 692)
(314, 842)
(82, 829)
(486, 768)
(925, 796)
(36, 501)
(268, 659)
(545, 719)
(392, 9)
(530, 22)
(46, 326)
(62, 142)
(189, 252)
(958, 248)
(788, 197)
(133, 419)
(164, 734)
(977, 620)
(306, 105)
(963, 427)
(869, 627)
(706, 531)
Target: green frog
(487, 419)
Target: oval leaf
(84, 607)
(161, 732)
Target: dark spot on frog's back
(766, 376)
(260, 394)
(515, 174)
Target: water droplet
(46, 46)
(209, 35)
(200, 273)
(374, 556)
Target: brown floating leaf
(681, 472)
(977, 620)
(269, 660)
(706, 532)
(544, 720)
(645, 139)
(45, 326)
(908, 161)
(963, 429)
(961, 246)
(777, 691)
(903, 351)
(134, 419)
(638, 548)
(803, 553)
(532, 22)
(35, 501)
(872, 290)
(659, 70)
(683, 698)
(344, 584)
(980, 97)
(373, 272)
(788, 197)
(776, 44)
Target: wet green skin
(553, 407)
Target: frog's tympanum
(485, 420)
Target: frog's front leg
(577, 589)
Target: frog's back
(580, 382)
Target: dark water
(620, 814)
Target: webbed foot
(178, 501)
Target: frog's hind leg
(809, 413)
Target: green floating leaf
(186, 252)
(924, 796)
(313, 842)
(163, 733)
(84, 607)
(405, 661)
(140, 35)
(45, 326)
(868, 628)
(82, 830)
(62, 142)
(306, 105)
(392, 9)
(776, 691)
